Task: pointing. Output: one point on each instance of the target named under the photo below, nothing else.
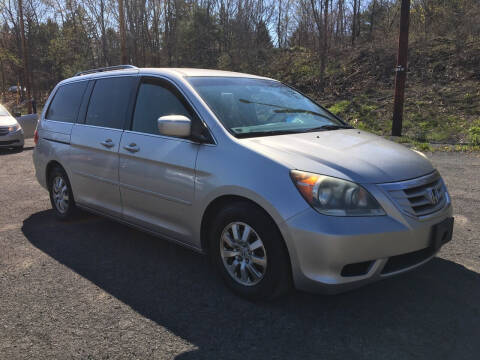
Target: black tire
(71, 209)
(18, 149)
(276, 280)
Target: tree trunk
(354, 22)
(123, 38)
(358, 18)
(323, 59)
(3, 81)
(372, 17)
(25, 57)
(106, 62)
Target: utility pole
(123, 46)
(25, 56)
(401, 69)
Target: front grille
(404, 261)
(419, 197)
(10, 142)
(3, 131)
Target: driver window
(153, 101)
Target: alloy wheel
(243, 253)
(60, 194)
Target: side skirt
(142, 228)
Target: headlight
(332, 196)
(14, 128)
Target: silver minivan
(278, 191)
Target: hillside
(442, 103)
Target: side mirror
(175, 125)
(17, 114)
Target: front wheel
(248, 250)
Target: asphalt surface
(95, 289)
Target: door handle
(132, 148)
(108, 143)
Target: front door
(157, 173)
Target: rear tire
(247, 249)
(61, 196)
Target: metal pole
(401, 69)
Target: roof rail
(108, 68)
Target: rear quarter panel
(53, 144)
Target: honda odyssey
(278, 191)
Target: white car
(13, 131)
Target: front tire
(61, 196)
(247, 249)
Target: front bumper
(14, 139)
(333, 254)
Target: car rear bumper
(334, 254)
(14, 139)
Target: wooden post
(401, 69)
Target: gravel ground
(95, 289)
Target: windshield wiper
(328, 127)
(284, 110)
(291, 131)
(296, 111)
(266, 133)
(245, 101)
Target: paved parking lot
(95, 289)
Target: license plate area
(441, 233)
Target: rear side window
(109, 102)
(153, 101)
(67, 100)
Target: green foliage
(422, 146)
(474, 134)
(296, 66)
(467, 148)
(340, 108)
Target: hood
(349, 154)
(7, 120)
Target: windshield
(3, 111)
(257, 107)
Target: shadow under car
(433, 312)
